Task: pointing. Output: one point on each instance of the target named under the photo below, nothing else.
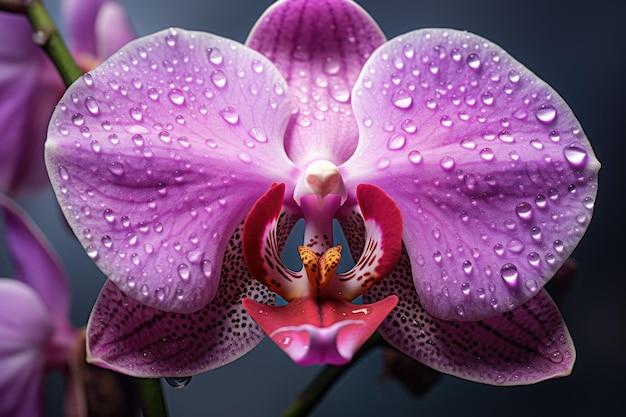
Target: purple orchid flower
(28, 80)
(460, 179)
(35, 334)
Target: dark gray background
(577, 47)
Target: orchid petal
(25, 329)
(34, 261)
(313, 331)
(79, 19)
(112, 15)
(25, 74)
(128, 337)
(160, 152)
(494, 175)
(319, 47)
(526, 345)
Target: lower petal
(526, 345)
(131, 338)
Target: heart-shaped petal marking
(528, 344)
(320, 331)
(160, 152)
(494, 176)
(320, 48)
(260, 247)
(383, 242)
(129, 337)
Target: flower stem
(310, 397)
(47, 36)
(151, 397)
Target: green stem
(47, 36)
(151, 397)
(310, 397)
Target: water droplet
(176, 96)
(445, 121)
(524, 211)
(218, 78)
(92, 252)
(467, 268)
(415, 157)
(575, 154)
(514, 76)
(116, 168)
(340, 92)
(136, 113)
(207, 268)
(505, 136)
(153, 93)
(531, 285)
(183, 271)
(546, 114)
(258, 134)
(78, 119)
(487, 98)
(230, 115)
(92, 105)
(588, 203)
(108, 215)
(383, 163)
(515, 246)
(95, 146)
(559, 246)
(145, 291)
(447, 163)
(402, 99)
(88, 79)
(178, 383)
(64, 173)
(533, 258)
(487, 154)
(396, 141)
(245, 157)
(215, 56)
(460, 310)
(409, 126)
(473, 61)
(509, 274)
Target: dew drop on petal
(509, 274)
(218, 78)
(415, 157)
(230, 115)
(402, 99)
(473, 61)
(447, 163)
(207, 268)
(396, 141)
(546, 114)
(92, 105)
(487, 154)
(575, 154)
(176, 96)
(524, 210)
(215, 56)
(183, 271)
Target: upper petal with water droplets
(160, 152)
(494, 176)
(319, 47)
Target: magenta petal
(25, 329)
(526, 345)
(24, 75)
(494, 176)
(131, 338)
(34, 261)
(79, 19)
(319, 47)
(160, 152)
(112, 15)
